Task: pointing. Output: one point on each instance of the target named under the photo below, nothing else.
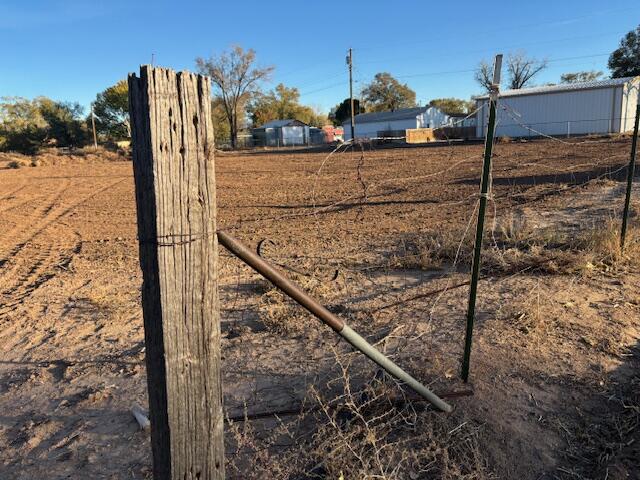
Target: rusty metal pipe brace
(336, 323)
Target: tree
(313, 116)
(27, 125)
(452, 106)
(484, 75)
(22, 127)
(220, 124)
(522, 69)
(278, 104)
(386, 93)
(625, 60)
(577, 77)
(111, 109)
(65, 123)
(342, 112)
(283, 103)
(235, 78)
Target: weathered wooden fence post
(173, 167)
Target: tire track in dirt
(17, 205)
(41, 250)
(26, 224)
(11, 193)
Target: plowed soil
(71, 335)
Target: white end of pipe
(365, 347)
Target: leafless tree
(578, 77)
(484, 75)
(522, 69)
(235, 78)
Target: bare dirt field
(383, 236)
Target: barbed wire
(513, 114)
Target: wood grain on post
(173, 149)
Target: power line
(497, 48)
(537, 62)
(316, 82)
(576, 58)
(520, 27)
(341, 84)
(451, 72)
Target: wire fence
(383, 237)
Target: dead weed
(281, 315)
(366, 432)
(513, 247)
(606, 441)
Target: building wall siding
(629, 102)
(602, 110)
(371, 129)
(432, 118)
(294, 136)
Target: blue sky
(72, 49)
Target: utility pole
(93, 128)
(353, 122)
(485, 186)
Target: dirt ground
(382, 236)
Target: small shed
(281, 133)
(598, 107)
(395, 122)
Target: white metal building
(462, 120)
(281, 133)
(605, 106)
(394, 123)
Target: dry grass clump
(58, 156)
(552, 252)
(527, 313)
(368, 435)
(606, 442)
(603, 246)
(512, 246)
(111, 153)
(431, 250)
(505, 251)
(15, 164)
(366, 432)
(281, 315)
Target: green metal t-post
(630, 173)
(484, 193)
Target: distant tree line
(27, 125)
(239, 100)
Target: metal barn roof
(400, 114)
(565, 87)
